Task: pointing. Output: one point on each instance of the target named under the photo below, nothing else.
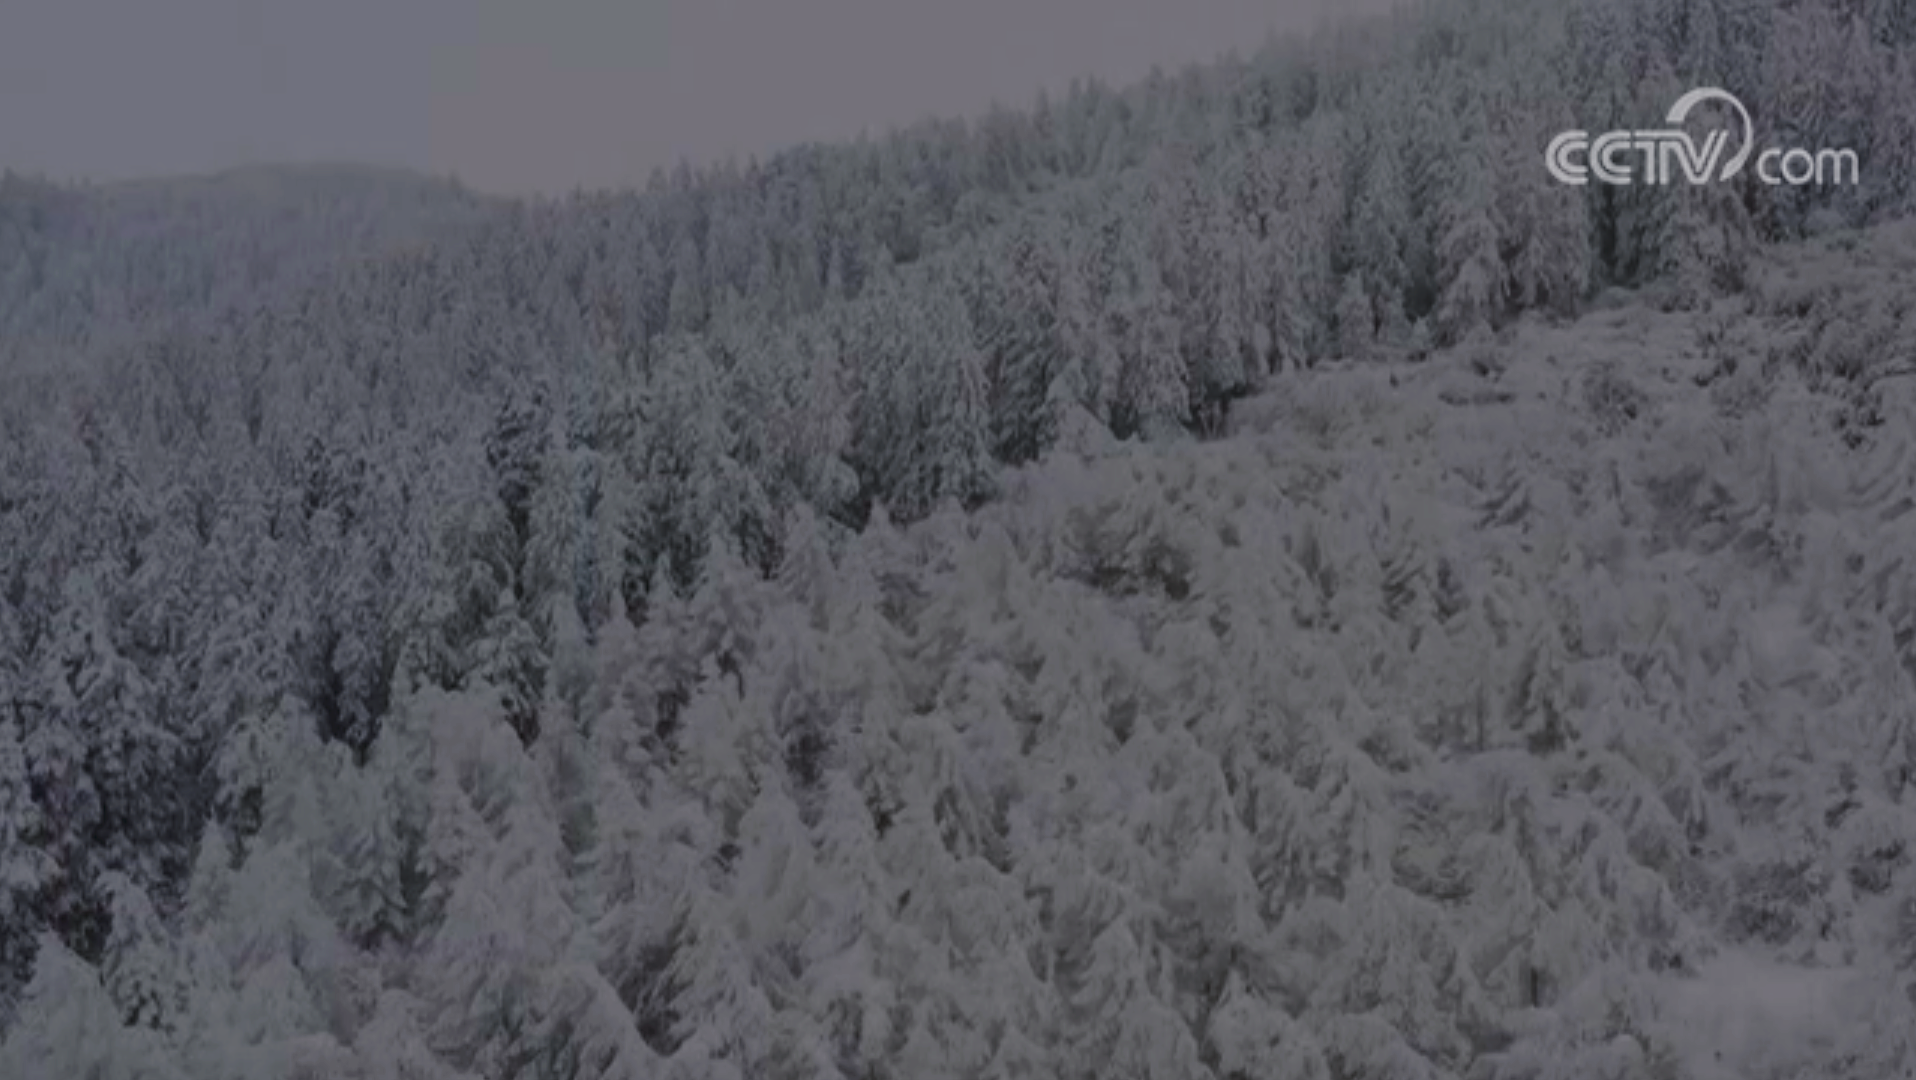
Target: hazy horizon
(1275, 577)
(579, 94)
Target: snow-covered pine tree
(506, 928)
(690, 485)
(959, 465)
(140, 966)
(393, 1044)
(1380, 228)
(1548, 224)
(1292, 321)
(557, 533)
(103, 759)
(1356, 320)
(724, 1024)
(1154, 392)
(1019, 332)
(69, 1026)
(1472, 281)
(25, 869)
(1252, 1037)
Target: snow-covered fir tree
(946, 605)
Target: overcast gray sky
(541, 95)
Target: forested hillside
(1237, 576)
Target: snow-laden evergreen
(1233, 577)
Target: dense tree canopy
(778, 623)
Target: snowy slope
(993, 602)
(1741, 1014)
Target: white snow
(1744, 1015)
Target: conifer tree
(68, 1026)
(139, 966)
(1472, 280)
(25, 868)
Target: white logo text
(1661, 155)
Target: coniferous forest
(1233, 577)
